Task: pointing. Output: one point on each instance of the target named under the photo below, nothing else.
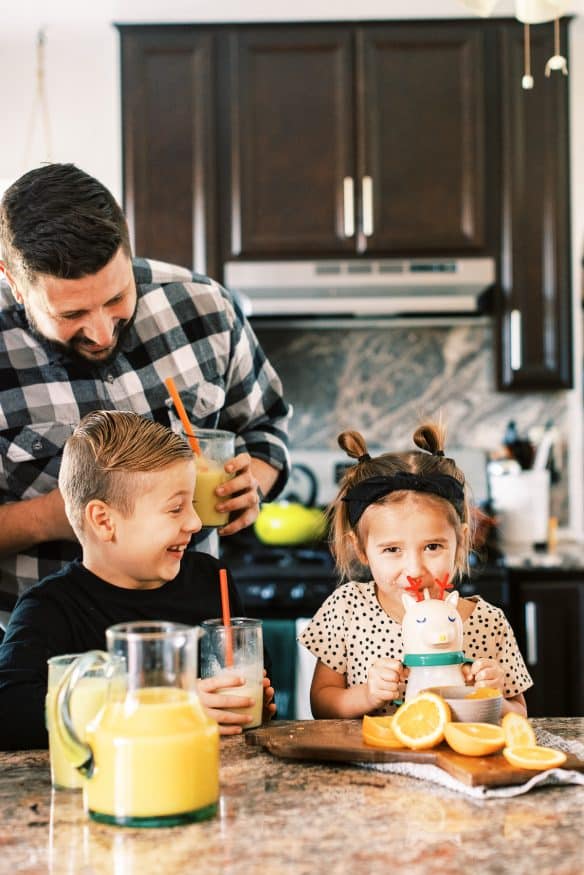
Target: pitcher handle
(78, 752)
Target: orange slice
(534, 757)
(518, 731)
(474, 739)
(420, 723)
(484, 693)
(377, 732)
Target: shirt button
(37, 445)
(110, 378)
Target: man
(83, 326)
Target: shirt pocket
(203, 404)
(30, 458)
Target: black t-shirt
(69, 612)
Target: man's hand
(239, 496)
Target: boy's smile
(144, 550)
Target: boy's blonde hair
(105, 457)
(347, 539)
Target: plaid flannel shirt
(186, 327)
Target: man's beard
(71, 350)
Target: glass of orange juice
(151, 756)
(236, 650)
(89, 697)
(217, 448)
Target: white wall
(82, 85)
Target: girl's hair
(106, 457)
(428, 461)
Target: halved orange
(474, 739)
(377, 732)
(534, 757)
(518, 731)
(419, 723)
(484, 693)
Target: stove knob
(268, 592)
(298, 592)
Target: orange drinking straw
(226, 617)
(179, 406)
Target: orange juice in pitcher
(151, 756)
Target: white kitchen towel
(540, 779)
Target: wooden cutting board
(341, 741)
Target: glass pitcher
(151, 755)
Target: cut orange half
(474, 739)
(534, 757)
(377, 732)
(484, 693)
(518, 731)
(420, 722)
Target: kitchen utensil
(465, 710)
(522, 505)
(341, 741)
(282, 523)
(151, 756)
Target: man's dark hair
(60, 221)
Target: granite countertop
(283, 817)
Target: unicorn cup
(432, 639)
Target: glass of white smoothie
(236, 650)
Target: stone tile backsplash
(384, 381)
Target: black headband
(359, 497)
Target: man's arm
(33, 521)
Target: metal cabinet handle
(349, 206)
(531, 632)
(515, 351)
(367, 194)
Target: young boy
(127, 483)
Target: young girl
(401, 515)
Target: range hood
(362, 287)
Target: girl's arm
(516, 703)
(330, 696)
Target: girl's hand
(485, 673)
(222, 706)
(269, 706)
(385, 682)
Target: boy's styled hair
(105, 457)
(58, 220)
(390, 478)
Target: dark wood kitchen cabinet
(549, 622)
(168, 111)
(536, 290)
(357, 139)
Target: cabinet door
(292, 141)
(536, 317)
(168, 131)
(550, 636)
(421, 124)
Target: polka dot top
(351, 630)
